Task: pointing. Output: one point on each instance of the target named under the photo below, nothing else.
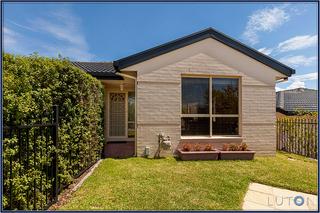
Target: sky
(110, 31)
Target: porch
(120, 116)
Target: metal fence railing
(31, 161)
(31, 156)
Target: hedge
(32, 85)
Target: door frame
(135, 90)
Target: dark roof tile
(108, 69)
(101, 70)
(297, 99)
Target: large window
(210, 106)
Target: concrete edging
(79, 184)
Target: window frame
(134, 117)
(210, 115)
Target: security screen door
(117, 113)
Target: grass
(168, 184)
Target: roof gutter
(282, 80)
(125, 75)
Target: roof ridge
(198, 36)
(92, 61)
(298, 89)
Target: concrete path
(263, 197)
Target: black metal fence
(298, 136)
(37, 160)
(30, 162)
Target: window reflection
(195, 96)
(224, 96)
(195, 126)
(225, 126)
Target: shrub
(32, 84)
(186, 147)
(208, 147)
(243, 147)
(225, 147)
(197, 147)
(235, 147)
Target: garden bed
(198, 155)
(207, 152)
(237, 155)
(236, 152)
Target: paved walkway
(263, 197)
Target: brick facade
(159, 104)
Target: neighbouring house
(289, 102)
(202, 88)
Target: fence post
(55, 155)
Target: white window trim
(210, 115)
(205, 137)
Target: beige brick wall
(258, 118)
(159, 99)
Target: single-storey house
(202, 88)
(289, 102)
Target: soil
(66, 193)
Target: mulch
(66, 193)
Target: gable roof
(100, 70)
(198, 36)
(297, 99)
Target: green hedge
(32, 85)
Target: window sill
(213, 137)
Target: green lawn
(168, 184)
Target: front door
(117, 113)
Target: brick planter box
(198, 155)
(237, 155)
(119, 149)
